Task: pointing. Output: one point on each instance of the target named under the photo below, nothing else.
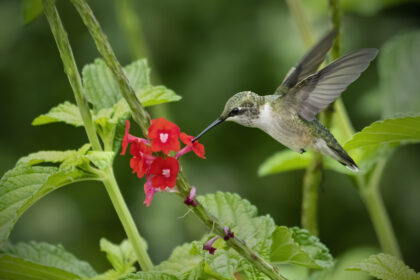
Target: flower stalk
(141, 118)
(70, 68)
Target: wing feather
(317, 91)
(309, 63)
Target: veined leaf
(31, 10)
(399, 65)
(224, 263)
(297, 246)
(183, 263)
(288, 160)
(24, 185)
(65, 112)
(241, 217)
(390, 131)
(101, 87)
(386, 267)
(121, 257)
(138, 74)
(46, 156)
(154, 95)
(33, 260)
(154, 275)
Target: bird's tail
(343, 157)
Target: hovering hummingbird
(289, 115)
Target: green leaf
(138, 74)
(396, 131)
(44, 256)
(224, 263)
(46, 156)
(398, 74)
(65, 112)
(101, 87)
(31, 10)
(297, 246)
(183, 263)
(386, 267)
(100, 159)
(241, 217)
(288, 160)
(149, 276)
(154, 95)
(121, 257)
(22, 186)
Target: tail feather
(344, 158)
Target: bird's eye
(234, 111)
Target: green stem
(127, 220)
(131, 26)
(70, 68)
(302, 22)
(311, 181)
(373, 200)
(140, 116)
(73, 74)
(105, 49)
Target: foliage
(386, 267)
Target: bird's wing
(309, 64)
(317, 91)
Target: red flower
(128, 138)
(165, 172)
(164, 136)
(149, 190)
(196, 147)
(142, 158)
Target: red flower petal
(150, 192)
(164, 135)
(125, 140)
(197, 148)
(165, 172)
(142, 158)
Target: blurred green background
(206, 51)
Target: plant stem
(126, 220)
(140, 116)
(70, 68)
(237, 244)
(377, 211)
(302, 22)
(105, 49)
(63, 44)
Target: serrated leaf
(107, 275)
(399, 65)
(154, 95)
(386, 267)
(224, 263)
(241, 217)
(138, 74)
(22, 186)
(297, 246)
(49, 256)
(65, 112)
(149, 276)
(121, 257)
(183, 263)
(101, 87)
(46, 156)
(390, 131)
(31, 10)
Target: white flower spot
(166, 173)
(163, 137)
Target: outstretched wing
(317, 91)
(310, 62)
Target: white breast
(277, 127)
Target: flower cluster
(160, 171)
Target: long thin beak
(213, 124)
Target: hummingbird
(289, 115)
